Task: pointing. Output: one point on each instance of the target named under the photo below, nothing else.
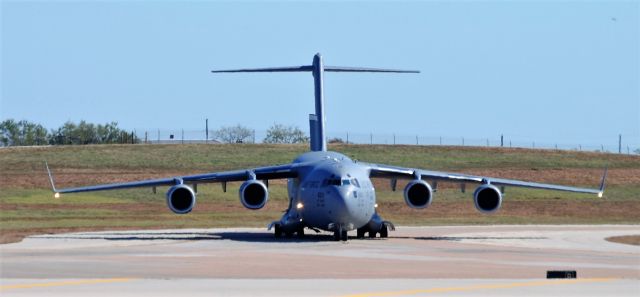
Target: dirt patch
(629, 239)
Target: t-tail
(316, 121)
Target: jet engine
(253, 194)
(487, 199)
(418, 194)
(181, 199)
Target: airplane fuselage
(331, 193)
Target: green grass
(27, 205)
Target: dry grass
(26, 206)
(630, 239)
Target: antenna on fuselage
(316, 121)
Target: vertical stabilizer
(318, 137)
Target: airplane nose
(344, 209)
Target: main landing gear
(278, 232)
(384, 232)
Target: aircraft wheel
(337, 235)
(360, 233)
(384, 232)
(301, 232)
(288, 234)
(344, 236)
(277, 231)
(372, 234)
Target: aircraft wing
(261, 173)
(393, 172)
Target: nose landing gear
(340, 235)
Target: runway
(448, 260)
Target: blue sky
(550, 71)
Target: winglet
(602, 183)
(53, 187)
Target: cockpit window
(346, 182)
(355, 182)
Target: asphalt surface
(414, 261)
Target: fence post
(619, 143)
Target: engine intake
(487, 199)
(254, 194)
(418, 194)
(181, 199)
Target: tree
(279, 133)
(22, 133)
(9, 132)
(235, 134)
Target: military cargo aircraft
(328, 190)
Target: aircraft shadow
(459, 238)
(266, 237)
(192, 236)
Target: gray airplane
(328, 190)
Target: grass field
(27, 205)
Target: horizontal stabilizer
(362, 69)
(271, 69)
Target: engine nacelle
(418, 194)
(254, 194)
(487, 199)
(181, 199)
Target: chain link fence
(182, 136)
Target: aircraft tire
(277, 232)
(360, 233)
(344, 236)
(372, 234)
(384, 232)
(301, 232)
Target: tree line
(20, 133)
(25, 133)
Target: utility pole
(394, 139)
(371, 138)
(206, 129)
(146, 137)
(158, 135)
(182, 136)
(501, 140)
(347, 137)
(440, 140)
(462, 141)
